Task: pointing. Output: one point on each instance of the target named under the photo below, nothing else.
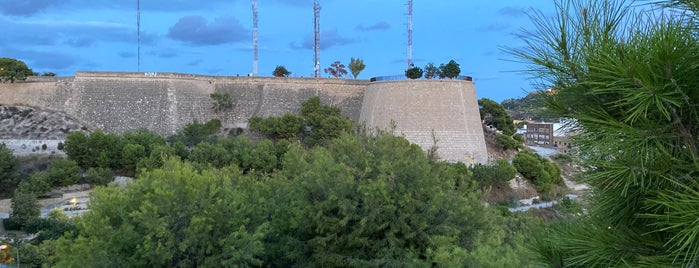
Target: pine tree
(628, 77)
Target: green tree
(324, 121)
(25, 209)
(99, 176)
(170, 217)
(221, 102)
(499, 173)
(336, 69)
(431, 71)
(63, 172)
(132, 154)
(542, 173)
(450, 70)
(413, 72)
(493, 114)
(13, 69)
(627, 78)
(356, 66)
(8, 169)
(281, 71)
(38, 184)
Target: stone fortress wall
(165, 102)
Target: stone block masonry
(165, 102)
(417, 109)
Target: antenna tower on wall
(410, 33)
(316, 44)
(254, 37)
(138, 34)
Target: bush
(99, 176)
(38, 184)
(63, 172)
(541, 172)
(506, 142)
(281, 71)
(499, 173)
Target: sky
(214, 37)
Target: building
(539, 134)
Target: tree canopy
(337, 69)
(356, 66)
(628, 78)
(13, 69)
(450, 70)
(413, 72)
(281, 71)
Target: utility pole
(254, 37)
(410, 33)
(316, 44)
(138, 34)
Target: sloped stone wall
(418, 109)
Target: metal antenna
(316, 45)
(254, 37)
(410, 33)
(138, 34)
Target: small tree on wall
(413, 73)
(222, 101)
(356, 66)
(336, 69)
(450, 70)
(431, 71)
(281, 71)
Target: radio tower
(254, 37)
(316, 45)
(410, 33)
(138, 35)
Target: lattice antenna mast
(254, 37)
(316, 34)
(410, 33)
(138, 35)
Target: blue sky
(214, 37)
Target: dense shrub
(541, 172)
(99, 176)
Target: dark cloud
(26, 7)
(31, 7)
(328, 39)
(513, 11)
(126, 54)
(71, 33)
(379, 26)
(194, 62)
(196, 30)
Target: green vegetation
(8, 169)
(531, 107)
(336, 69)
(542, 173)
(413, 72)
(281, 71)
(316, 194)
(13, 69)
(222, 102)
(628, 78)
(431, 71)
(493, 114)
(450, 70)
(356, 66)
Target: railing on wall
(402, 77)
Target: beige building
(540, 134)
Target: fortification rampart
(447, 108)
(166, 102)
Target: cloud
(513, 11)
(328, 39)
(32, 7)
(71, 33)
(195, 30)
(195, 62)
(378, 26)
(26, 7)
(126, 54)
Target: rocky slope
(22, 122)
